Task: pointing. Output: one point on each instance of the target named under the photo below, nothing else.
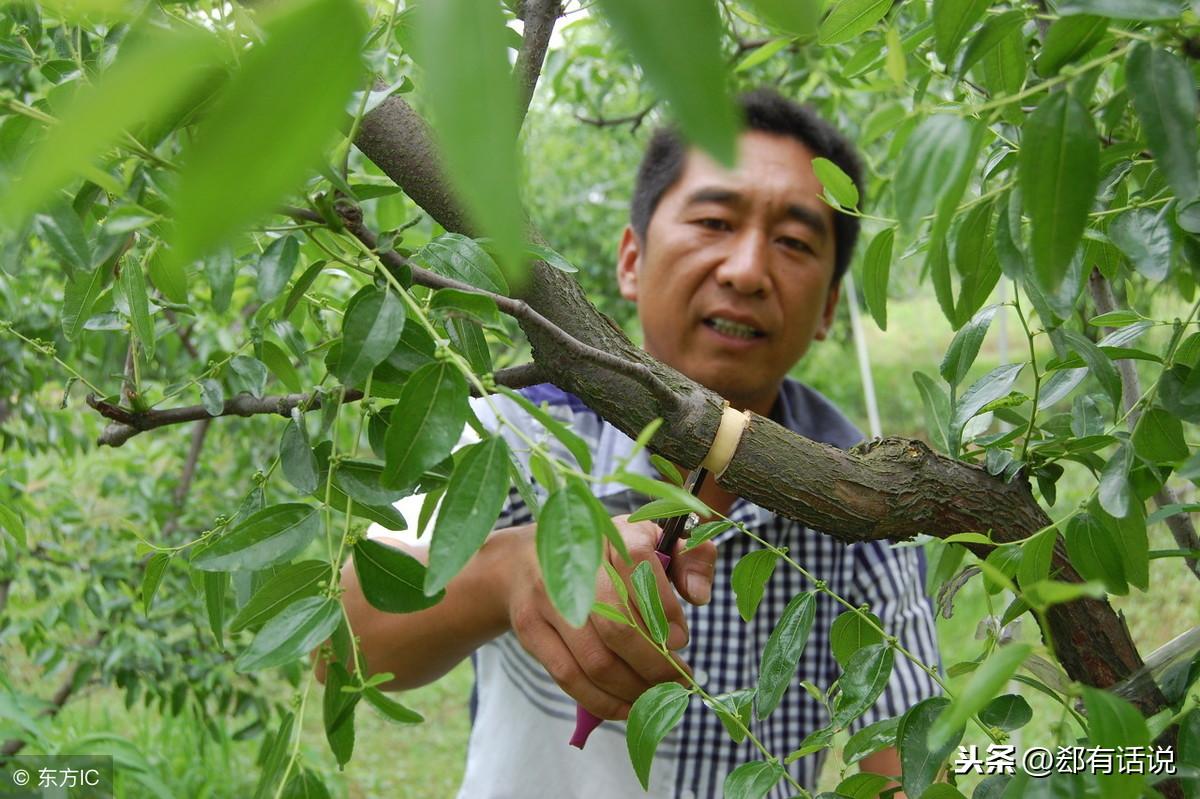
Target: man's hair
(763, 110)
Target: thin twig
(633, 120)
(539, 16)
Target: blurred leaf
(390, 708)
(982, 688)
(797, 17)
(275, 267)
(649, 603)
(150, 75)
(293, 581)
(298, 629)
(677, 43)
(151, 577)
(251, 374)
(267, 537)
(781, 654)
(371, 329)
(221, 272)
(278, 363)
(837, 183)
(296, 458)
(391, 579)
(215, 585)
(61, 228)
(1164, 95)
(302, 284)
(1113, 722)
(133, 284)
(749, 580)
(168, 277)
(79, 296)
(752, 780)
(469, 90)
(653, 715)
(1122, 9)
(1058, 172)
(761, 54)
(951, 21)
(876, 267)
(862, 682)
(426, 423)
(569, 549)
(933, 170)
(474, 496)
(1145, 238)
(849, 18)
(280, 101)
(212, 396)
(993, 31)
(1067, 40)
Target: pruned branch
(127, 423)
(539, 16)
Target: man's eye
(798, 245)
(713, 223)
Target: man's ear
(629, 258)
(830, 310)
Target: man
(735, 273)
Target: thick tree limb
(539, 16)
(852, 495)
(1183, 530)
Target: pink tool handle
(585, 721)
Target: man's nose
(744, 268)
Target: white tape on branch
(728, 435)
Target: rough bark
(891, 489)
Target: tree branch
(1183, 530)
(539, 16)
(634, 120)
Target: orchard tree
(314, 210)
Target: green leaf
(425, 424)
(360, 480)
(933, 169)
(865, 676)
(569, 550)
(1164, 97)
(1116, 319)
(78, 298)
(837, 183)
(1008, 712)
(551, 258)
(371, 329)
(297, 630)
(1069, 39)
(964, 347)
(215, 584)
(391, 579)
(1144, 236)
(292, 582)
(1094, 552)
(276, 752)
(133, 284)
(338, 712)
(454, 303)
(797, 17)
(877, 264)
(390, 708)
(653, 715)
(1099, 364)
(221, 272)
(151, 73)
(951, 21)
(849, 18)
(462, 258)
(63, 231)
(1045, 593)
(937, 410)
(645, 593)
(749, 579)
(1058, 170)
(659, 509)
(302, 284)
(870, 739)
(11, 521)
(982, 688)
(781, 655)
(251, 375)
(1036, 556)
(275, 267)
(474, 497)
(678, 45)
(297, 460)
(280, 100)
(994, 31)
(1113, 491)
(212, 396)
(469, 89)
(280, 365)
(706, 531)
(992, 386)
(1113, 722)
(168, 277)
(850, 632)
(919, 762)
(657, 488)
(151, 577)
(761, 54)
(467, 338)
(267, 537)
(752, 780)
(1122, 9)
(1158, 437)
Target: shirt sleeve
(890, 581)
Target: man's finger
(692, 571)
(544, 643)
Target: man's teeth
(732, 328)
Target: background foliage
(1038, 157)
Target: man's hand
(604, 665)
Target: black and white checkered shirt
(522, 719)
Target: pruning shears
(672, 530)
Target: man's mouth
(731, 328)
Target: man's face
(734, 278)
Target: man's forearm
(420, 647)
